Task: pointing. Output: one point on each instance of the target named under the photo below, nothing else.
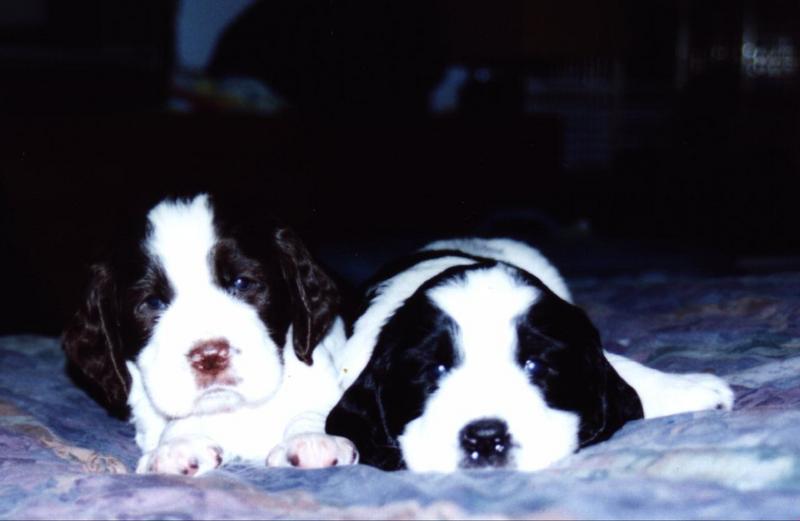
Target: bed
(62, 456)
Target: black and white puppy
(217, 337)
(473, 356)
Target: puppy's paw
(186, 456)
(692, 392)
(707, 391)
(312, 451)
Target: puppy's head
(203, 308)
(483, 367)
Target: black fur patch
(575, 375)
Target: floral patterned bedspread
(62, 457)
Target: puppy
(217, 337)
(473, 356)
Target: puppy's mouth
(475, 460)
(216, 400)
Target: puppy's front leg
(305, 445)
(663, 393)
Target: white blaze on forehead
(181, 237)
(485, 305)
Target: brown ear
(92, 342)
(313, 296)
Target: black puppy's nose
(485, 442)
(210, 357)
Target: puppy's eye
(534, 368)
(242, 283)
(440, 370)
(154, 303)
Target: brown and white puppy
(217, 337)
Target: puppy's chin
(217, 401)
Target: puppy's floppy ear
(586, 383)
(313, 296)
(359, 417)
(617, 404)
(92, 342)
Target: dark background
(620, 136)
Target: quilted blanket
(62, 456)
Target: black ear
(313, 296)
(586, 383)
(617, 404)
(92, 343)
(359, 417)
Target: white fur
(663, 394)
(487, 383)
(268, 402)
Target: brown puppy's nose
(210, 357)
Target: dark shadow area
(620, 137)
